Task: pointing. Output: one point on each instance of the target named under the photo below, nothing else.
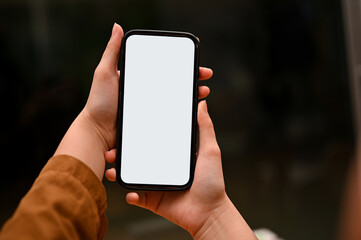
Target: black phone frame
(194, 134)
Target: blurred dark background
(279, 100)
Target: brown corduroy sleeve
(66, 201)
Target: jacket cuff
(76, 168)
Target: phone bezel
(194, 132)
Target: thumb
(111, 54)
(207, 136)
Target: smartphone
(157, 110)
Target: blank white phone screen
(157, 110)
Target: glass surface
(157, 110)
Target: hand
(204, 210)
(93, 132)
(102, 104)
(185, 208)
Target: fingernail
(114, 29)
(205, 108)
(210, 69)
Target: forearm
(84, 141)
(225, 222)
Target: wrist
(84, 141)
(100, 135)
(102, 123)
(225, 222)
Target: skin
(204, 210)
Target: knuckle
(98, 71)
(102, 72)
(213, 150)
